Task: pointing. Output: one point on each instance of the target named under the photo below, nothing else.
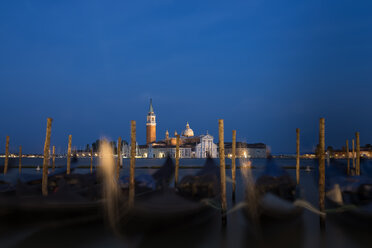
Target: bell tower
(151, 125)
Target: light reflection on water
(236, 234)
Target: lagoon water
(238, 232)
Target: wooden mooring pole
(298, 155)
(357, 153)
(53, 158)
(69, 155)
(322, 170)
(132, 163)
(20, 159)
(118, 160)
(177, 160)
(44, 183)
(91, 160)
(177, 155)
(347, 157)
(233, 165)
(6, 162)
(353, 153)
(222, 170)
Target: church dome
(188, 131)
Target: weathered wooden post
(233, 165)
(118, 160)
(298, 155)
(353, 153)
(69, 155)
(222, 170)
(177, 159)
(44, 183)
(53, 158)
(91, 160)
(132, 163)
(347, 157)
(357, 153)
(6, 162)
(322, 169)
(20, 159)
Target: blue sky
(265, 67)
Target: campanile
(151, 125)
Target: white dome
(188, 131)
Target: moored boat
(187, 204)
(274, 194)
(349, 198)
(73, 195)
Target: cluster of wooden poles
(132, 161)
(321, 157)
(6, 161)
(355, 153)
(46, 157)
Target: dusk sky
(265, 67)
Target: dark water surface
(238, 232)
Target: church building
(190, 146)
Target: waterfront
(236, 234)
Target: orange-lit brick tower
(151, 125)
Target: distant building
(365, 152)
(244, 150)
(161, 150)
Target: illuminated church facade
(191, 146)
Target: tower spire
(151, 125)
(151, 109)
